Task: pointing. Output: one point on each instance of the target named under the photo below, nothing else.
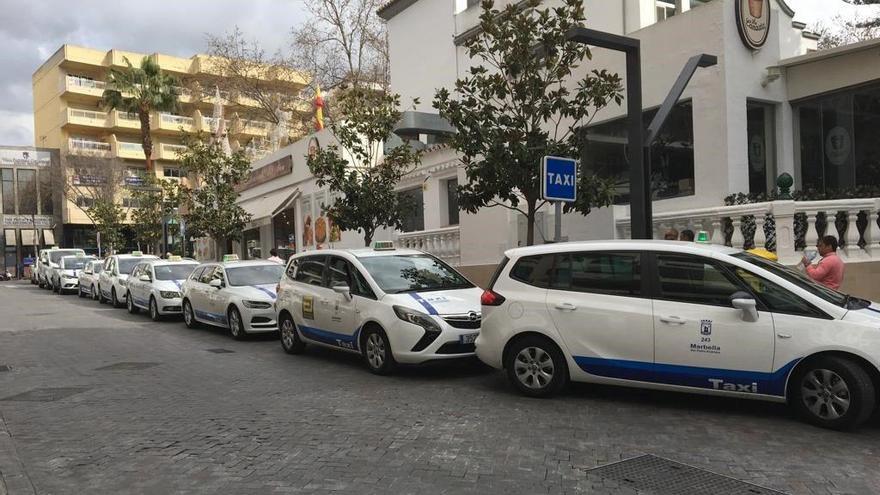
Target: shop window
(47, 200)
(7, 177)
(27, 191)
(284, 228)
(452, 201)
(760, 122)
(414, 218)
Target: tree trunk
(146, 139)
(530, 222)
(368, 237)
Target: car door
(199, 295)
(598, 301)
(138, 288)
(193, 285)
(104, 279)
(309, 291)
(336, 311)
(217, 298)
(701, 340)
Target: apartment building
(68, 115)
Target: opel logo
(473, 316)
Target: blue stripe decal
(267, 291)
(425, 304)
(869, 308)
(338, 339)
(690, 376)
(204, 315)
(179, 284)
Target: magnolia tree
(95, 185)
(156, 204)
(357, 169)
(521, 101)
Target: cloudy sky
(32, 30)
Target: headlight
(71, 277)
(417, 318)
(169, 294)
(256, 304)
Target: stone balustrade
(443, 243)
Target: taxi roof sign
(137, 253)
(702, 237)
(383, 246)
(230, 257)
(174, 258)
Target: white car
(155, 286)
(391, 306)
(66, 276)
(112, 279)
(238, 295)
(48, 261)
(88, 279)
(681, 317)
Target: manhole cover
(658, 475)
(126, 366)
(5, 367)
(46, 394)
(220, 351)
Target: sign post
(558, 184)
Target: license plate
(468, 338)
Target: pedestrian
(671, 235)
(687, 235)
(273, 256)
(829, 270)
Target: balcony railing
(86, 117)
(88, 146)
(443, 243)
(179, 120)
(786, 227)
(83, 82)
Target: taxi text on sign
(559, 179)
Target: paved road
(174, 417)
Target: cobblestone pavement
(178, 418)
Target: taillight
(491, 298)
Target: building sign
(270, 171)
(24, 158)
(559, 179)
(753, 22)
(87, 180)
(26, 221)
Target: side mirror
(344, 290)
(744, 302)
(216, 283)
(145, 278)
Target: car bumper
(490, 344)
(259, 320)
(68, 284)
(173, 306)
(409, 347)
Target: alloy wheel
(825, 393)
(534, 367)
(154, 310)
(287, 333)
(375, 350)
(187, 314)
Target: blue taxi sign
(559, 179)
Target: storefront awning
(28, 237)
(263, 208)
(9, 235)
(48, 237)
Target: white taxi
(238, 295)
(391, 306)
(112, 279)
(48, 261)
(88, 279)
(66, 276)
(155, 286)
(681, 317)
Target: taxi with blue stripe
(154, 286)
(391, 306)
(238, 295)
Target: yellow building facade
(68, 115)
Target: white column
(872, 232)
(812, 235)
(852, 235)
(717, 234)
(760, 239)
(737, 239)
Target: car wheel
(154, 310)
(832, 392)
(290, 341)
(377, 352)
(114, 301)
(96, 295)
(236, 325)
(129, 303)
(189, 318)
(79, 291)
(536, 367)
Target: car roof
(366, 252)
(137, 256)
(233, 264)
(623, 245)
(161, 262)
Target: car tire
(129, 304)
(290, 341)
(79, 291)
(236, 324)
(376, 351)
(536, 367)
(96, 294)
(114, 301)
(189, 317)
(154, 310)
(832, 392)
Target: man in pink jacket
(829, 270)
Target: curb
(13, 477)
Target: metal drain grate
(126, 366)
(46, 394)
(220, 351)
(658, 475)
(5, 367)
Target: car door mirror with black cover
(744, 302)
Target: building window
(135, 176)
(665, 10)
(414, 219)
(837, 140)
(672, 154)
(284, 233)
(128, 202)
(85, 202)
(171, 172)
(7, 177)
(760, 124)
(47, 199)
(27, 191)
(452, 201)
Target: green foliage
(353, 168)
(861, 191)
(210, 205)
(520, 102)
(109, 218)
(157, 201)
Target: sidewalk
(13, 478)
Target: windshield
(409, 273)
(797, 278)
(255, 275)
(174, 272)
(55, 256)
(98, 267)
(74, 262)
(126, 264)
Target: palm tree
(141, 91)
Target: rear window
(310, 270)
(533, 270)
(617, 274)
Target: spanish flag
(319, 110)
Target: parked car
(66, 276)
(681, 317)
(48, 261)
(391, 306)
(155, 286)
(88, 279)
(238, 295)
(112, 279)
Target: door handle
(564, 306)
(783, 335)
(677, 320)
